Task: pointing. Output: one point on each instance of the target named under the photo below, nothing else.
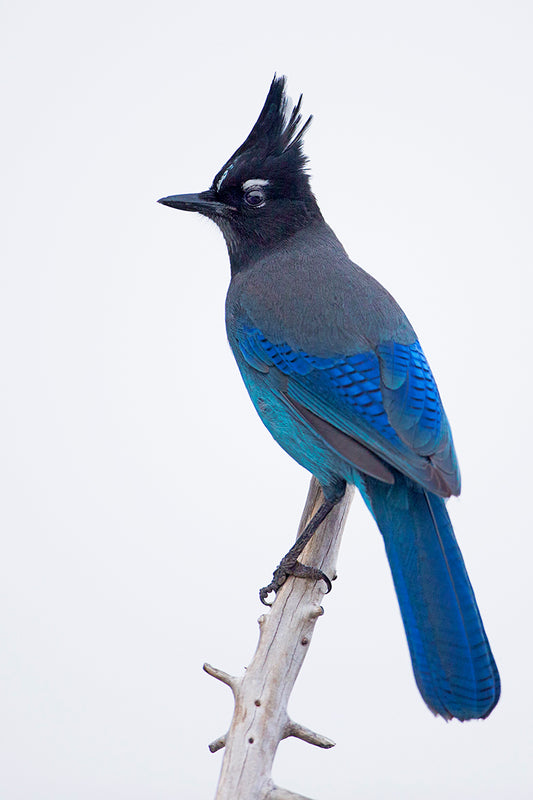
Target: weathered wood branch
(260, 719)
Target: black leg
(289, 564)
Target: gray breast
(309, 294)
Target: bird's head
(261, 195)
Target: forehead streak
(223, 177)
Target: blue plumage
(414, 397)
(337, 375)
(452, 661)
(386, 398)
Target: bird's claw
(264, 592)
(278, 579)
(298, 570)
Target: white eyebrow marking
(254, 182)
(223, 177)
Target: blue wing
(385, 399)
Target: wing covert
(387, 400)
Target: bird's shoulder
(310, 295)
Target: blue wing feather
(387, 399)
(411, 395)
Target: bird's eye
(254, 197)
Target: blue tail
(452, 661)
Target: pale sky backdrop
(144, 503)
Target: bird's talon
(278, 579)
(264, 592)
(296, 569)
(263, 596)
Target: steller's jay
(336, 373)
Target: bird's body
(337, 375)
(309, 302)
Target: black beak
(205, 203)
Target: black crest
(277, 134)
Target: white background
(143, 503)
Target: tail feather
(452, 660)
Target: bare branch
(260, 719)
(307, 735)
(222, 676)
(218, 744)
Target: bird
(337, 375)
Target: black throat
(247, 242)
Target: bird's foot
(291, 567)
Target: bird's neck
(245, 247)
